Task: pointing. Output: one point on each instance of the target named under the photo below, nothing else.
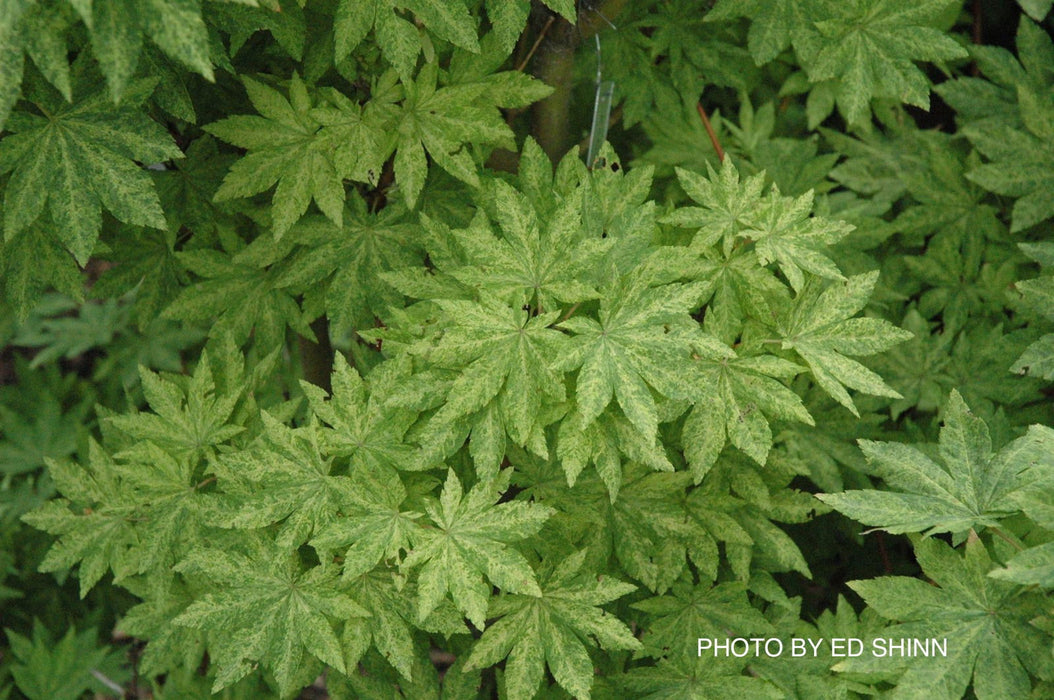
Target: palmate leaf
(508, 17)
(392, 624)
(552, 627)
(676, 620)
(34, 263)
(117, 31)
(986, 623)
(734, 400)
(505, 358)
(640, 342)
(364, 425)
(442, 121)
(186, 422)
(284, 479)
(869, 47)
(285, 146)
(690, 677)
(820, 328)
(782, 228)
(97, 538)
(239, 298)
(604, 443)
(467, 545)
(1009, 117)
(972, 488)
(542, 261)
(1019, 158)
(35, 29)
(49, 669)
(78, 160)
(775, 24)
(1038, 294)
(344, 265)
(1033, 566)
(396, 34)
(264, 607)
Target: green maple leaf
(537, 260)
(36, 425)
(689, 677)
(640, 342)
(1009, 116)
(32, 264)
(283, 479)
(1036, 9)
(946, 199)
(286, 146)
(1038, 293)
(187, 422)
(986, 623)
(782, 228)
(552, 627)
(264, 607)
(506, 378)
(648, 533)
(370, 529)
(170, 646)
(365, 426)
(869, 47)
(508, 18)
(466, 549)
(37, 30)
(78, 158)
(735, 396)
(774, 25)
(820, 328)
(98, 538)
(63, 669)
(397, 35)
(117, 30)
(144, 263)
(443, 121)
(973, 487)
(784, 231)
(393, 621)
(965, 278)
(239, 297)
(1034, 566)
(604, 442)
(1019, 158)
(345, 265)
(728, 205)
(688, 612)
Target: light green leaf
(985, 622)
(971, 488)
(549, 627)
(468, 546)
(264, 607)
(820, 329)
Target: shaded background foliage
(556, 424)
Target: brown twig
(710, 132)
(537, 43)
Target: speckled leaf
(970, 488)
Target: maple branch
(316, 359)
(710, 132)
(555, 67)
(537, 43)
(569, 314)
